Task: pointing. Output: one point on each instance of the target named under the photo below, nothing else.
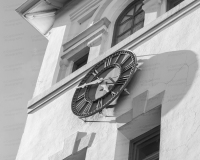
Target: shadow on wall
(165, 81)
(172, 72)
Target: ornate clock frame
(99, 88)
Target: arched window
(129, 21)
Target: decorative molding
(138, 103)
(55, 4)
(74, 144)
(89, 32)
(41, 14)
(84, 8)
(151, 3)
(141, 104)
(154, 101)
(133, 40)
(141, 124)
(96, 41)
(25, 11)
(27, 6)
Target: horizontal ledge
(103, 22)
(84, 8)
(85, 40)
(41, 14)
(136, 38)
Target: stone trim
(73, 145)
(152, 9)
(27, 6)
(149, 30)
(144, 116)
(103, 23)
(79, 45)
(84, 8)
(40, 14)
(141, 124)
(141, 104)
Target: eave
(41, 13)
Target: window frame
(120, 18)
(170, 4)
(81, 61)
(133, 150)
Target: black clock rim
(118, 93)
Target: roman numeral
(87, 108)
(95, 72)
(107, 61)
(129, 66)
(81, 104)
(81, 96)
(122, 80)
(99, 104)
(124, 60)
(117, 58)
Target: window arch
(129, 21)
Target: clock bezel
(133, 69)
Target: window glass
(124, 27)
(82, 59)
(146, 146)
(129, 21)
(124, 36)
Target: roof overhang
(41, 13)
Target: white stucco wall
(169, 60)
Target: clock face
(103, 83)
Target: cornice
(40, 14)
(133, 40)
(83, 9)
(103, 22)
(26, 6)
(27, 13)
(54, 3)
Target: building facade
(155, 116)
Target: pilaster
(152, 10)
(51, 58)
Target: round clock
(104, 83)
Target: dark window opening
(173, 3)
(129, 21)
(146, 146)
(80, 62)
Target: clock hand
(97, 81)
(111, 78)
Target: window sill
(166, 19)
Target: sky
(22, 49)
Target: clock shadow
(172, 72)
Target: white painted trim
(84, 8)
(104, 22)
(40, 14)
(54, 4)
